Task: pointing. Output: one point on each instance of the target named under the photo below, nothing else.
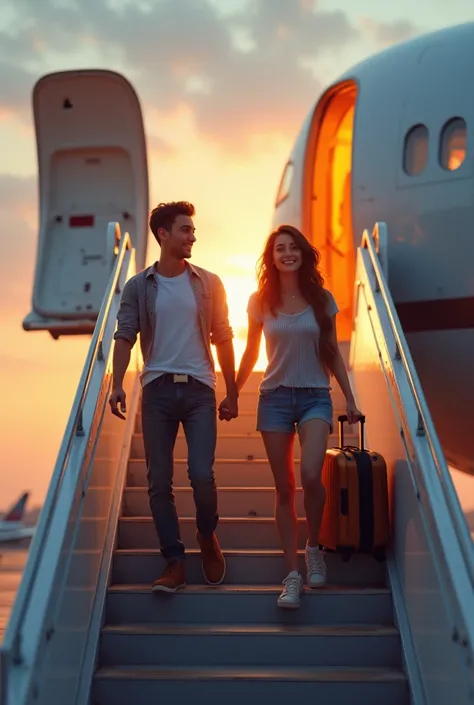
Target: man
(179, 310)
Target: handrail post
(113, 239)
(80, 425)
(420, 427)
(380, 238)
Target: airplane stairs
(85, 628)
(230, 643)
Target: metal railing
(12, 645)
(376, 246)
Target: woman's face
(287, 257)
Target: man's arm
(125, 338)
(226, 357)
(128, 322)
(121, 360)
(222, 337)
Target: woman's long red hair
(311, 283)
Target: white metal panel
(92, 168)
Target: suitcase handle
(361, 422)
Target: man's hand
(228, 408)
(118, 395)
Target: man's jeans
(164, 404)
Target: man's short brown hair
(164, 215)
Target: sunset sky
(224, 87)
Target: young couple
(180, 310)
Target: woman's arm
(252, 349)
(340, 373)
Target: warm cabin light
(456, 158)
(416, 150)
(453, 144)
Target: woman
(297, 316)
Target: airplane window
(453, 144)
(285, 183)
(415, 155)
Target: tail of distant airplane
(17, 511)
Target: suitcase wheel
(345, 552)
(380, 555)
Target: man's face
(180, 239)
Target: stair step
(228, 473)
(236, 533)
(238, 445)
(370, 686)
(238, 644)
(341, 604)
(249, 567)
(232, 502)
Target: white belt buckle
(180, 378)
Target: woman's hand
(353, 413)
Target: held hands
(229, 408)
(118, 395)
(353, 413)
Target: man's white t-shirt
(178, 347)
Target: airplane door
(331, 210)
(339, 241)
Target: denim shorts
(285, 409)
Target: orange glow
(456, 158)
(238, 290)
(331, 212)
(454, 140)
(233, 194)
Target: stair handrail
(376, 246)
(12, 640)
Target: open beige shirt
(137, 309)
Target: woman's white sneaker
(293, 587)
(316, 570)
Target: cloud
(15, 89)
(15, 193)
(241, 73)
(18, 206)
(384, 34)
(242, 68)
(159, 147)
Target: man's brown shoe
(213, 562)
(172, 578)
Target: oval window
(415, 153)
(285, 183)
(453, 143)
